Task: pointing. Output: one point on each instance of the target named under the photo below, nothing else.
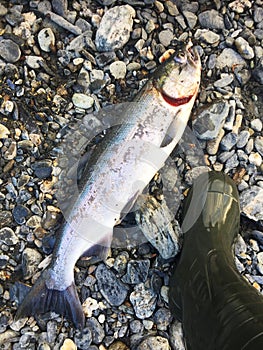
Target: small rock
(20, 213)
(251, 202)
(143, 300)
(172, 8)
(34, 61)
(258, 14)
(239, 5)
(4, 132)
(229, 58)
(83, 338)
(105, 58)
(191, 18)
(255, 158)
(113, 290)
(258, 71)
(211, 19)
(11, 152)
(8, 236)
(9, 51)
(256, 124)
(137, 271)
(162, 319)
(243, 138)
(115, 27)
(118, 69)
(118, 345)
(209, 122)
(228, 141)
(46, 39)
(82, 100)
(207, 36)
(68, 345)
(244, 48)
(165, 37)
(259, 144)
(224, 81)
(213, 145)
(176, 336)
(96, 329)
(154, 343)
(30, 261)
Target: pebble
(143, 301)
(153, 343)
(244, 48)
(259, 144)
(118, 345)
(165, 37)
(256, 124)
(162, 319)
(191, 18)
(4, 131)
(255, 158)
(8, 236)
(115, 27)
(251, 202)
(68, 344)
(213, 145)
(113, 290)
(137, 271)
(258, 71)
(243, 138)
(118, 69)
(228, 141)
(239, 5)
(229, 57)
(9, 51)
(20, 212)
(209, 121)
(224, 81)
(96, 329)
(31, 258)
(46, 39)
(34, 61)
(83, 339)
(211, 19)
(207, 36)
(82, 100)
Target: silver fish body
(153, 124)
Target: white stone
(82, 100)
(118, 69)
(46, 39)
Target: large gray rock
(115, 27)
(210, 121)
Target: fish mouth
(187, 54)
(175, 102)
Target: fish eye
(181, 57)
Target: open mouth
(175, 102)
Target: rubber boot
(218, 309)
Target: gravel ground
(59, 62)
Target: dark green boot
(218, 308)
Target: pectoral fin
(172, 131)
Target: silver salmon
(151, 128)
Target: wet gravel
(61, 61)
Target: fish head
(179, 77)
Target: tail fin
(41, 299)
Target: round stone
(46, 39)
(82, 100)
(118, 69)
(9, 51)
